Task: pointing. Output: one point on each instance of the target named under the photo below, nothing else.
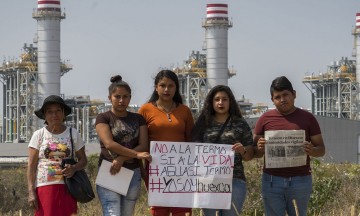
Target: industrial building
(336, 103)
(20, 94)
(193, 80)
(335, 92)
(36, 74)
(200, 72)
(27, 81)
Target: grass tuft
(336, 191)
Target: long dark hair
(117, 82)
(207, 113)
(170, 75)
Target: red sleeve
(259, 127)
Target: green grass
(336, 191)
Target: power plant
(336, 104)
(37, 74)
(28, 81)
(48, 16)
(200, 72)
(216, 44)
(336, 92)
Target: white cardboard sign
(193, 175)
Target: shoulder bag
(222, 130)
(79, 184)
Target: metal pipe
(339, 98)
(17, 105)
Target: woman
(48, 146)
(167, 119)
(123, 141)
(221, 113)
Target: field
(336, 191)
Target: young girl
(167, 119)
(221, 111)
(123, 141)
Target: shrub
(13, 187)
(336, 189)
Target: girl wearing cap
(48, 146)
(123, 141)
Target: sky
(137, 38)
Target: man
(286, 187)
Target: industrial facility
(20, 80)
(335, 93)
(200, 72)
(27, 81)
(336, 103)
(37, 73)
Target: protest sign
(194, 175)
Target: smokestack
(216, 39)
(357, 42)
(48, 16)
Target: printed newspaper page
(284, 148)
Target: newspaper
(284, 148)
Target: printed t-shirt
(52, 149)
(125, 131)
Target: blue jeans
(237, 199)
(114, 204)
(279, 192)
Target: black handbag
(79, 184)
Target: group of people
(125, 136)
